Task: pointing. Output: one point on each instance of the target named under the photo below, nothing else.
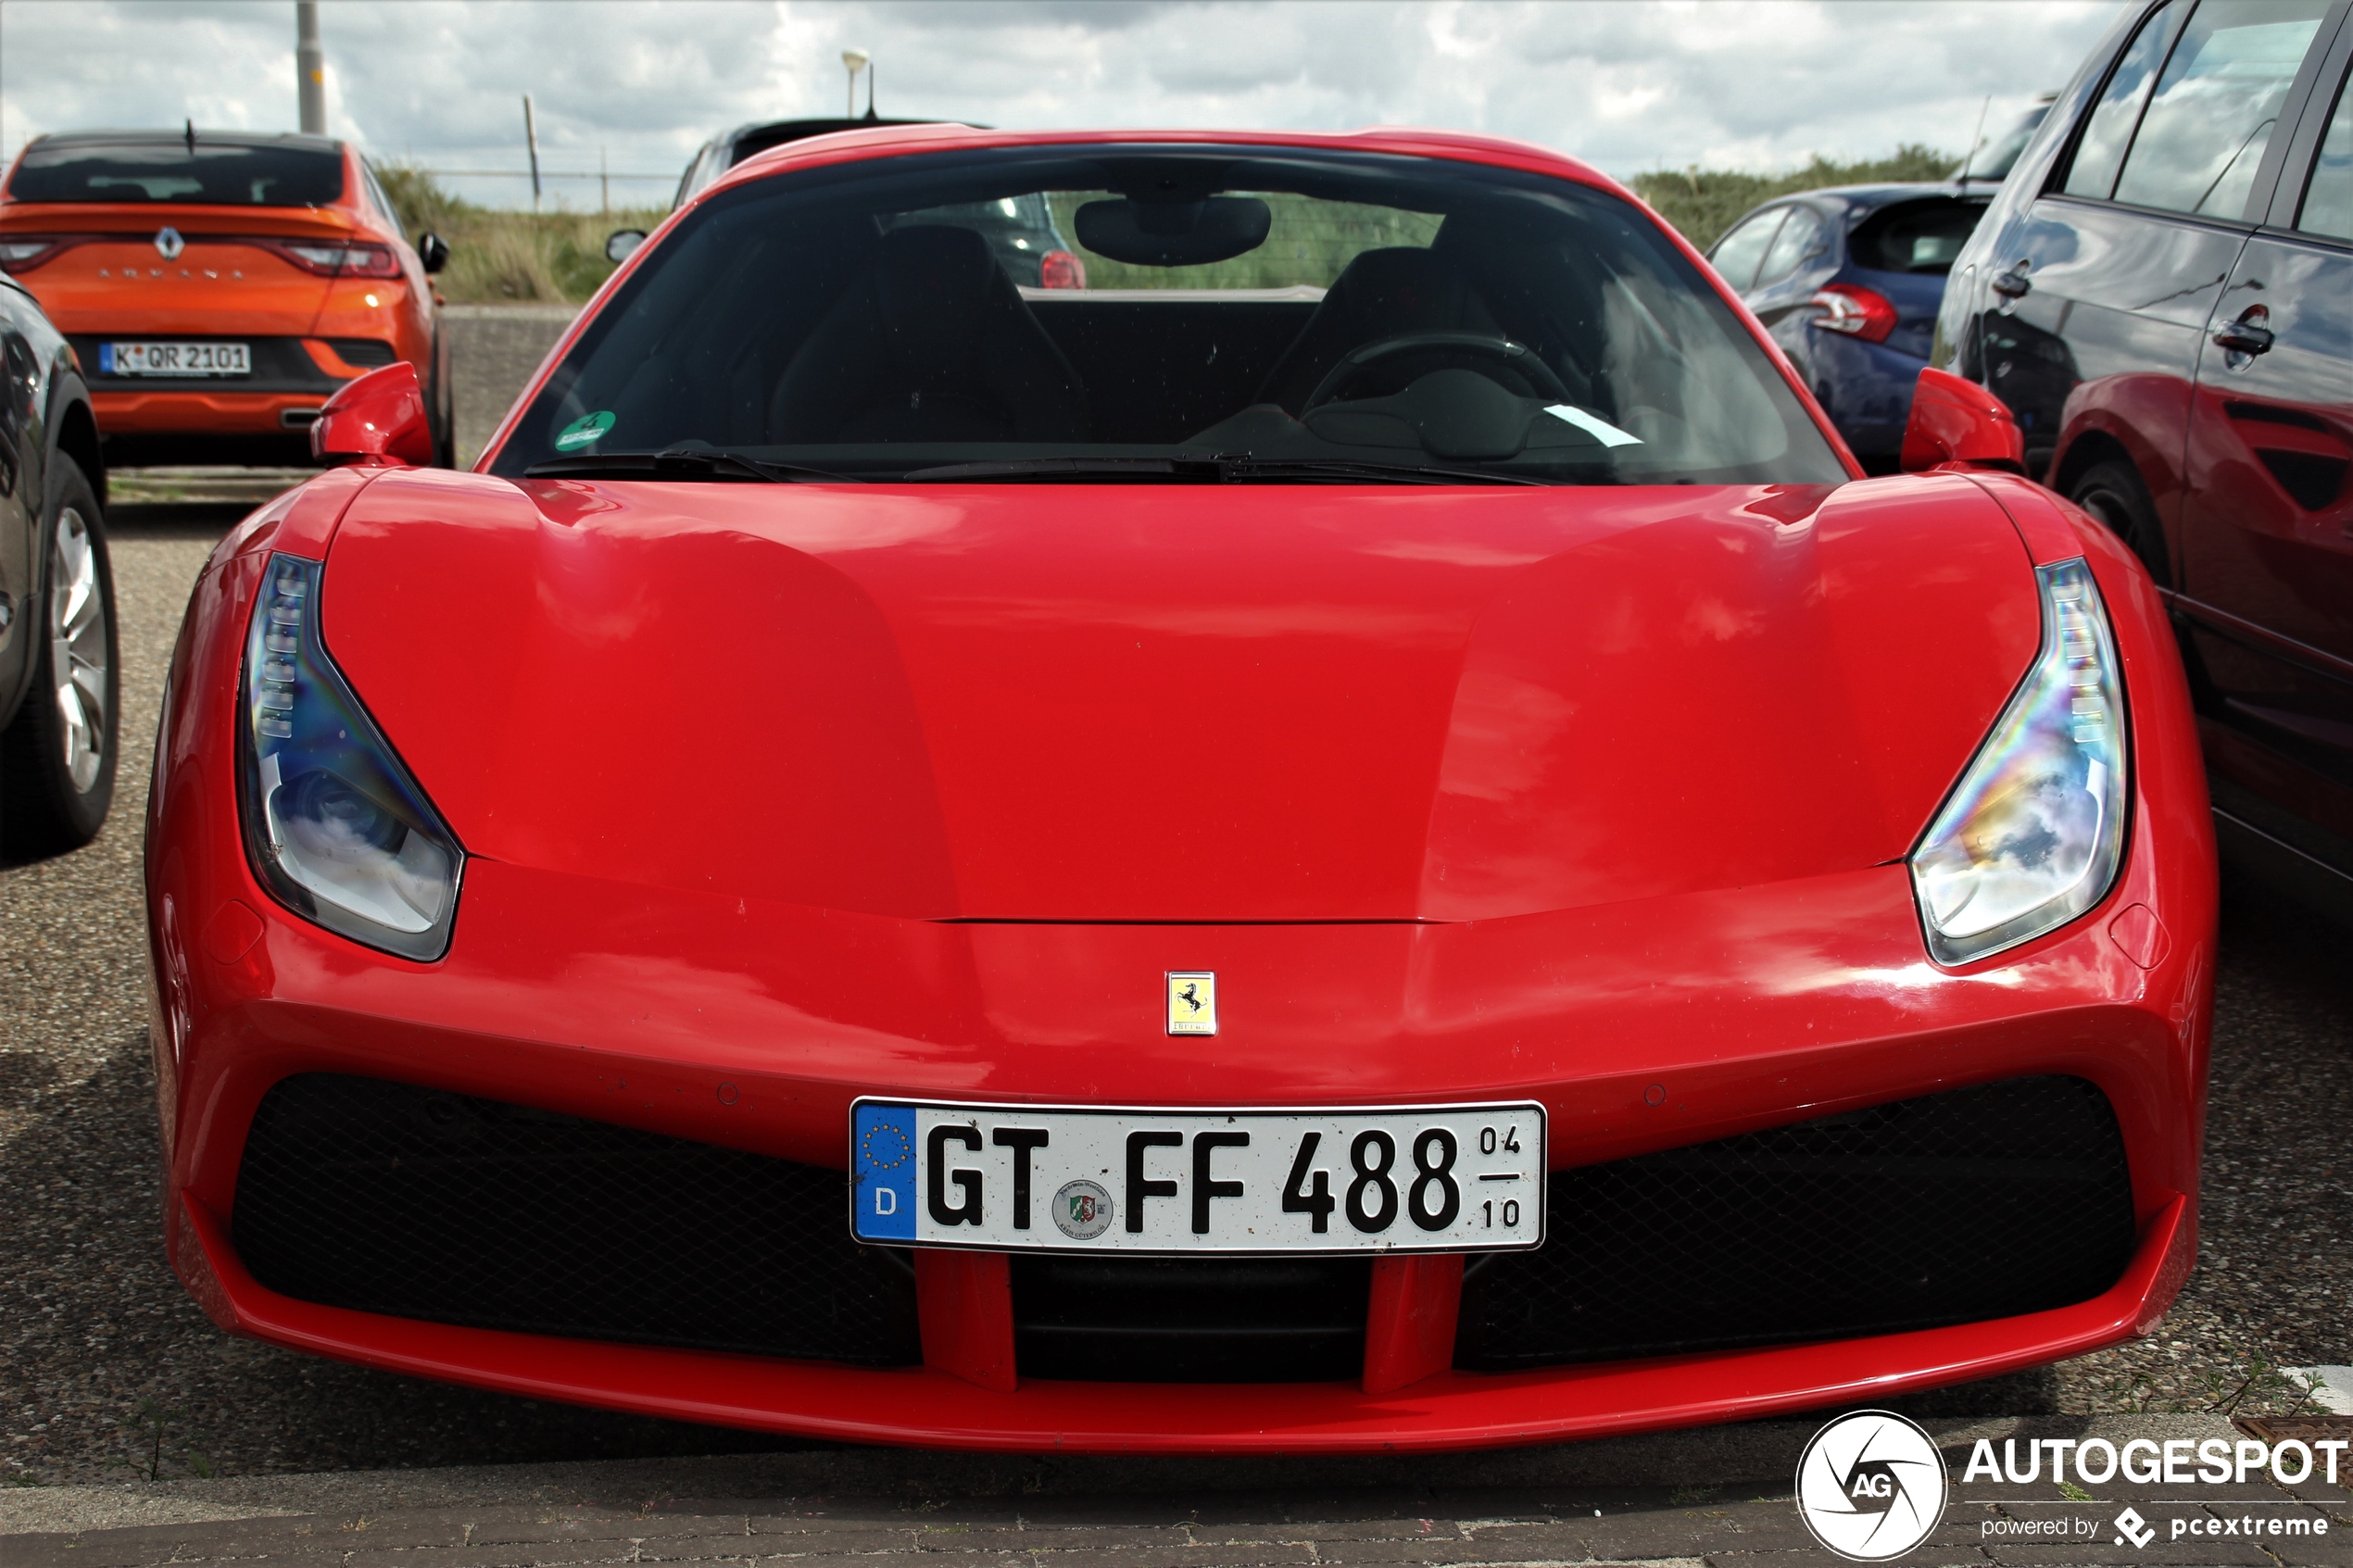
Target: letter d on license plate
(1445, 1178)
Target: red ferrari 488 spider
(1362, 834)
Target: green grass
(1703, 203)
(500, 257)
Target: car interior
(1916, 236)
(1536, 330)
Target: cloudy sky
(1627, 85)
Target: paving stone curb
(1713, 1495)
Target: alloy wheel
(77, 649)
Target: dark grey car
(2163, 294)
(60, 684)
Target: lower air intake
(1191, 1320)
(384, 1198)
(1980, 1203)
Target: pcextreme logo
(1872, 1485)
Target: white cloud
(1626, 84)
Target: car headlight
(2032, 835)
(333, 826)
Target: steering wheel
(1361, 362)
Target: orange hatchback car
(218, 287)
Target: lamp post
(311, 69)
(855, 60)
(531, 145)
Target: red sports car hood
(1181, 703)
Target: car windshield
(1995, 160)
(219, 174)
(1916, 236)
(1235, 312)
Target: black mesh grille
(1980, 1203)
(388, 1198)
(1191, 1320)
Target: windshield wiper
(1245, 469)
(682, 463)
(1216, 468)
(1207, 469)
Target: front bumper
(936, 1408)
(753, 1028)
(1650, 1025)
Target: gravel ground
(109, 1372)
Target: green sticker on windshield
(584, 431)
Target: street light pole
(531, 145)
(311, 69)
(855, 60)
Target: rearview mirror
(1958, 421)
(1177, 233)
(381, 416)
(433, 250)
(621, 244)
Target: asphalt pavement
(111, 1378)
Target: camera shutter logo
(1871, 1486)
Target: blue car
(1848, 282)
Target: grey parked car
(60, 681)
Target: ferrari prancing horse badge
(1193, 1002)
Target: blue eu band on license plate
(1460, 1178)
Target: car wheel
(59, 752)
(2113, 493)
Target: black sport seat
(1380, 295)
(932, 343)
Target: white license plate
(174, 359)
(1449, 1178)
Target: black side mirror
(622, 243)
(433, 250)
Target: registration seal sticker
(1082, 1211)
(584, 431)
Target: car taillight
(338, 260)
(24, 254)
(1857, 312)
(1060, 270)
